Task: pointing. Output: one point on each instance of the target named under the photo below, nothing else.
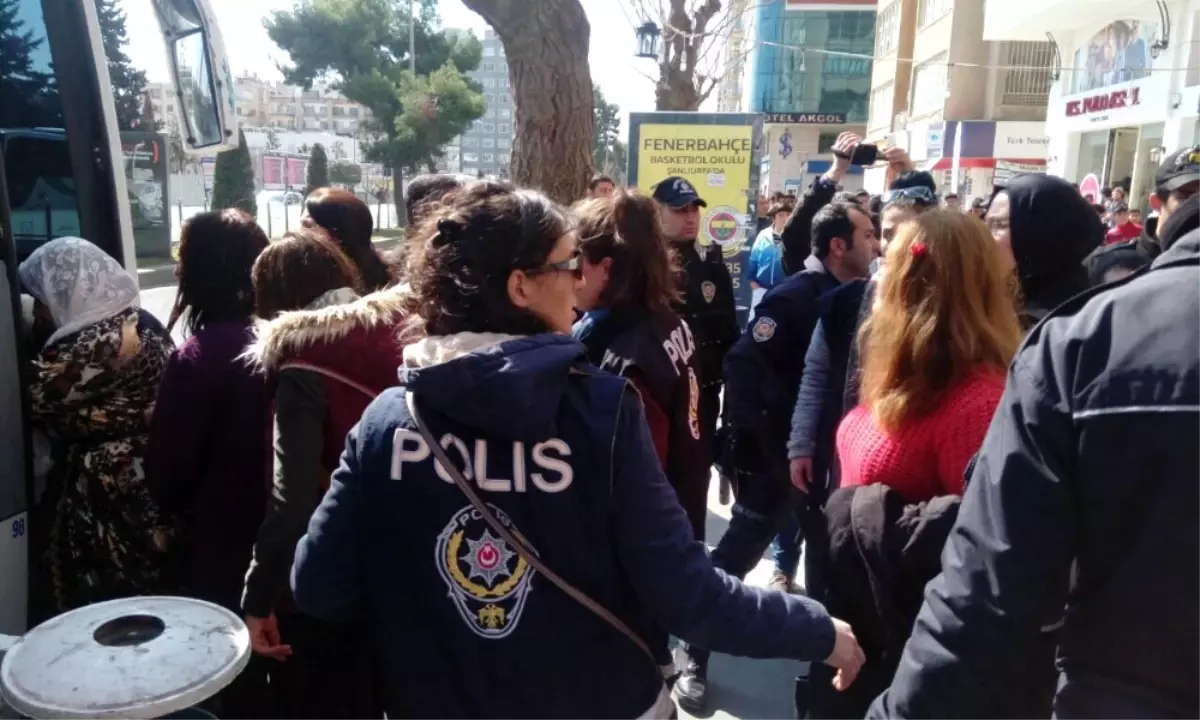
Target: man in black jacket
(797, 234)
(1176, 185)
(1083, 497)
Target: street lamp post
(648, 36)
(412, 36)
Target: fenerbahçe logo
(721, 227)
(487, 580)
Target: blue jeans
(786, 547)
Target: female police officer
(551, 468)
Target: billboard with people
(1118, 53)
(716, 153)
(146, 181)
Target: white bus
(62, 173)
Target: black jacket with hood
(1084, 495)
(1053, 231)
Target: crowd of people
(470, 478)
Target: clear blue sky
(613, 65)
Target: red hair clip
(917, 249)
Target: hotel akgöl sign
(716, 154)
(805, 118)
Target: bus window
(40, 203)
(41, 191)
(29, 95)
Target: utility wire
(867, 56)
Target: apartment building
(486, 147)
(286, 107)
(264, 104)
(163, 101)
(1127, 91)
(810, 75)
(969, 110)
(735, 46)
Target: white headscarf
(79, 282)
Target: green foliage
(177, 159)
(437, 108)
(147, 122)
(606, 129)
(128, 83)
(364, 45)
(345, 173)
(233, 179)
(609, 154)
(318, 169)
(29, 96)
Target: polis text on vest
(554, 473)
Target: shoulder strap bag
(514, 539)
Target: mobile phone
(864, 154)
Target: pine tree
(26, 95)
(318, 169)
(128, 83)
(233, 179)
(147, 122)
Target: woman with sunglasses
(505, 468)
(629, 330)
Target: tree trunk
(546, 42)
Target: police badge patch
(709, 290)
(488, 581)
(764, 329)
(693, 404)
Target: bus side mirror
(204, 87)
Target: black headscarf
(1053, 230)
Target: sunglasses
(573, 265)
(922, 194)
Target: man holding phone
(848, 150)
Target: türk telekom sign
(1103, 102)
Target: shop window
(825, 142)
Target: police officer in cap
(1176, 185)
(708, 306)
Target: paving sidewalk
(746, 688)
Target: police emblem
(693, 404)
(709, 290)
(488, 582)
(764, 329)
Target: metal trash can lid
(141, 657)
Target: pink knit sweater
(927, 456)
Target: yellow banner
(716, 159)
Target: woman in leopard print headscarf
(92, 392)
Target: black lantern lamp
(648, 35)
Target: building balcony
(1028, 20)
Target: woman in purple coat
(210, 445)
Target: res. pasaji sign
(1104, 102)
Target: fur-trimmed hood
(278, 339)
